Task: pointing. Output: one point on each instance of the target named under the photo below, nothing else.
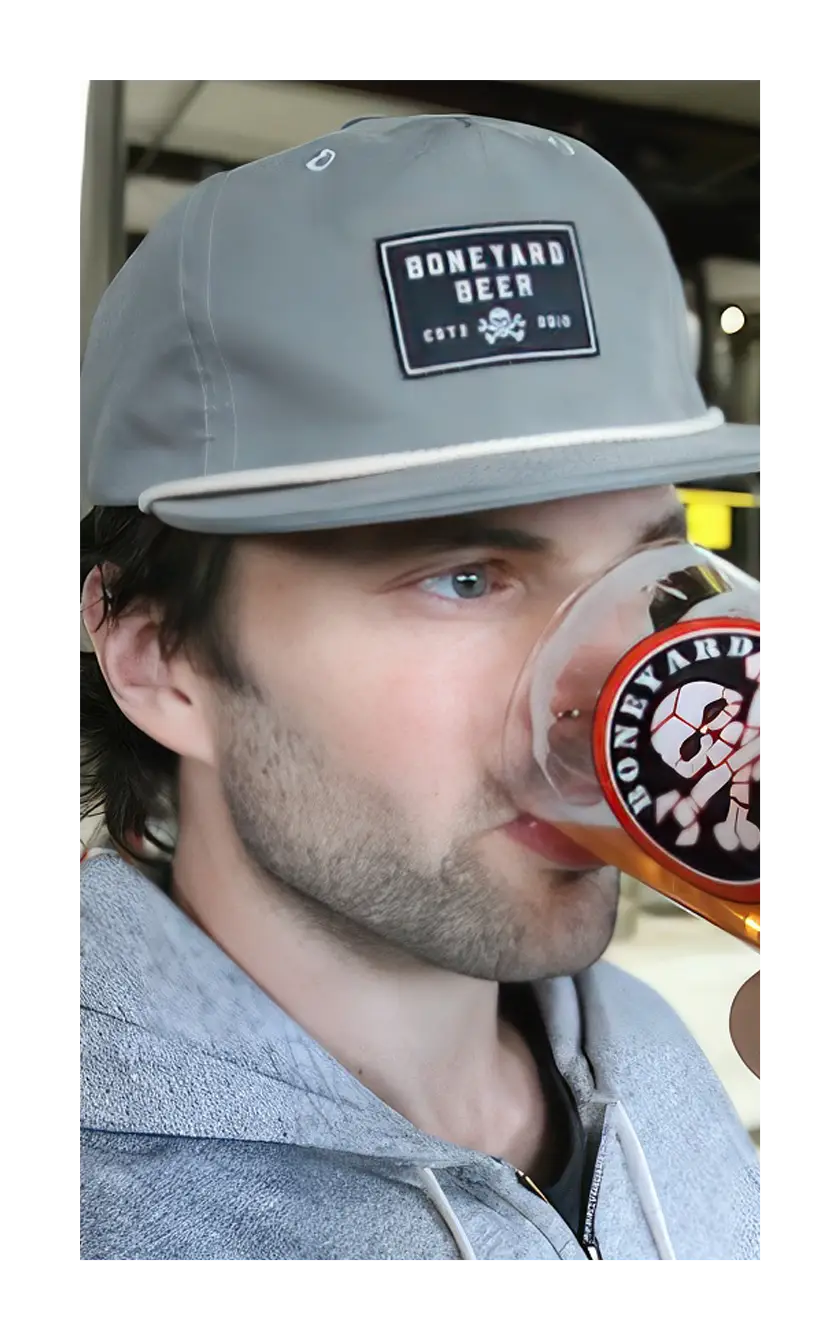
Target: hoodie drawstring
(637, 1166)
(435, 1193)
(642, 1179)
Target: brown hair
(126, 776)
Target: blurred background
(692, 150)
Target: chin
(573, 920)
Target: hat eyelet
(321, 160)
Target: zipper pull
(524, 1180)
(592, 1251)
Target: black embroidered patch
(505, 293)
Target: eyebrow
(371, 545)
(452, 534)
(464, 533)
(366, 545)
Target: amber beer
(613, 846)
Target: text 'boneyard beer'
(635, 729)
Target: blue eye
(462, 584)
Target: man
(357, 418)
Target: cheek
(418, 711)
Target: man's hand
(744, 1023)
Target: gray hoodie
(215, 1128)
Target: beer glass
(634, 728)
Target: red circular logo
(676, 741)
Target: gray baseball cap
(408, 318)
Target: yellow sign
(709, 515)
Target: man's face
(363, 773)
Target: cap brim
(476, 485)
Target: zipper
(593, 1161)
(597, 1154)
(589, 1244)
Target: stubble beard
(337, 853)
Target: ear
(162, 697)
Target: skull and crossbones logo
(697, 731)
(500, 325)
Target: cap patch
(467, 297)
